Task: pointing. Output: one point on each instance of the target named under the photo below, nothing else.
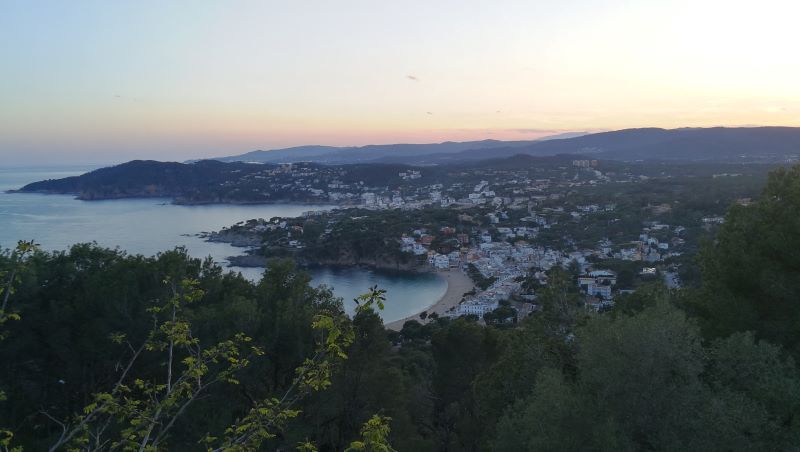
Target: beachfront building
(440, 261)
(476, 307)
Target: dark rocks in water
(235, 238)
(248, 260)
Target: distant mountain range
(724, 144)
(369, 153)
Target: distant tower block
(584, 163)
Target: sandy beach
(457, 284)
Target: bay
(149, 226)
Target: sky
(109, 81)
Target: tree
(756, 395)
(645, 369)
(646, 295)
(461, 350)
(10, 277)
(156, 383)
(336, 334)
(525, 351)
(637, 375)
(555, 417)
(374, 436)
(364, 384)
(136, 414)
(750, 277)
(503, 315)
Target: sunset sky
(108, 81)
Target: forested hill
(209, 181)
(145, 178)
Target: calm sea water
(148, 226)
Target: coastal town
(503, 223)
(495, 232)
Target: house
(407, 175)
(598, 283)
(506, 232)
(476, 307)
(441, 261)
(419, 250)
(599, 290)
(455, 259)
(604, 276)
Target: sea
(149, 226)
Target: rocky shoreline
(366, 263)
(257, 260)
(250, 258)
(174, 198)
(233, 238)
(311, 202)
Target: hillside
(145, 178)
(332, 154)
(210, 181)
(717, 144)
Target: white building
(599, 290)
(369, 199)
(598, 283)
(441, 261)
(455, 259)
(476, 307)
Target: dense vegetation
(147, 179)
(481, 281)
(359, 236)
(712, 368)
(210, 181)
